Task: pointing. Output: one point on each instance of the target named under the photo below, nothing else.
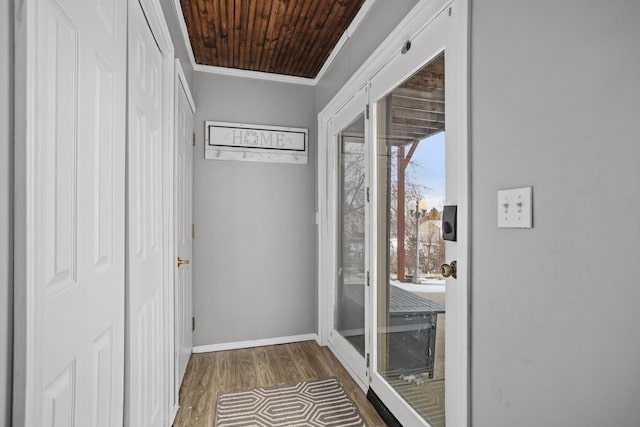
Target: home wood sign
(255, 143)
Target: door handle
(449, 269)
(182, 262)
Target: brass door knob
(182, 262)
(449, 269)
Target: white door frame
(160, 31)
(418, 19)
(427, 44)
(26, 350)
(180, 84)
(350, 358)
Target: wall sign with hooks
(255, 143)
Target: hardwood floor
(211, 373)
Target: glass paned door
(411, 304)
(349, 332)
(349, 317)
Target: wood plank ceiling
(291, 37)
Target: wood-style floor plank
(209, 374)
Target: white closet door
(145, 391)
(74, 204)
(183, 207)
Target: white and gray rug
(320, 403)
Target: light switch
(515, 208)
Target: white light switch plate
(515, 208)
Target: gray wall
(254, 271)
(379, 21)
(6, 207)
(555, 104)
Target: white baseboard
(254, 343)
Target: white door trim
(412, 24)
(160, 30)
(180, 83)
(345, 352)
(182, 79)
(459, 37)
(27, 351)
(419, 18)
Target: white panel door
(75, 215)
(145, 355)
(183, 217)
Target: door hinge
(368, 195)
(194, 139)
(368, 279)
(366, 113)
(193, 231)
(368, 361)
(193, 324)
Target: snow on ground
(426, 285)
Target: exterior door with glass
(420, 363)
(348, 334)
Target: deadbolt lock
(449, 269)
(182, 261)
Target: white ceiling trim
(184, 31)
(345, 38)
(272, 76)
(253, 74)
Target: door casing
(429, 42)
(182, 297)
(353, 361)
(421, 17)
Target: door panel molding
(151, 238)
(69, 212)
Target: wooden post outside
(400, 215)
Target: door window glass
(349, 316)
(411, 291)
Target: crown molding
(259, 75)
(345, 38)
(272, 76)
(184, 31)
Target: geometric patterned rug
(320, 403)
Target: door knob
(182, 262)
(449, 269)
